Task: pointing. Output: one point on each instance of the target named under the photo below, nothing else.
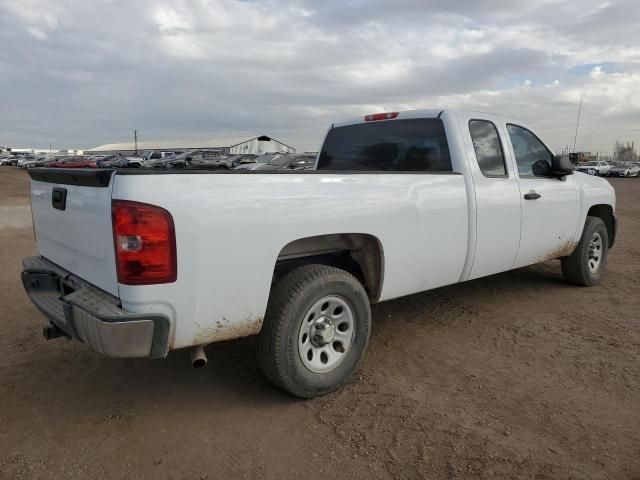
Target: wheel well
(605, 213)
(357, 253)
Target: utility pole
(575, 138)
(135, 141)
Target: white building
(234, 145)
(41, 151)
(261, 144)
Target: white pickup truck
(136, 263)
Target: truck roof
(403, 114)
(423, 113)
(437, 113)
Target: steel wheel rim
(326, 334)
(595, 253)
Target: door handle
(532, 195)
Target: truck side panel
(231, 228)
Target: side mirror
(541, 168)
(561, 165)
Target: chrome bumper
(91, 315)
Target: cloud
(37, 33)
(597, 73)
(84, 73)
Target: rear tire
(315, 331)
(586, 264)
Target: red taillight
(145, 243)
(381, 116)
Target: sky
(78, 74)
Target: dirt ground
(515, 375)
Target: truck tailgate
(72, 223)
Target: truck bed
(239, 223)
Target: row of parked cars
(194, 159)
(209, 159)
(203, 159)
(30, 161)
(610, 169)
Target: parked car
(111, 161)
(8, 161)
(197, 159)
(44, 160)
(119, 161)
(624, 169)
(135, 162)
(258, 161)
(136, 264)
(289, 162)
(594, 168)
(99, 159)
(51, 162)
(236, 160)
(38, 161)
(204, 159)
(22, 160)
(151, 157)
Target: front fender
(593, 192)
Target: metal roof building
(230, 145)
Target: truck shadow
(106, 387)
(456, 305)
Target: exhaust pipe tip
(199, 363)
(198, 357)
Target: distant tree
(625, 152)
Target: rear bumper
(91, 315)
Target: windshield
(590, 164)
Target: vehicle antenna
(575, 138)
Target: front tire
(586, 264)
(315, 331)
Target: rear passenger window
(486, 144)
(411, 145)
